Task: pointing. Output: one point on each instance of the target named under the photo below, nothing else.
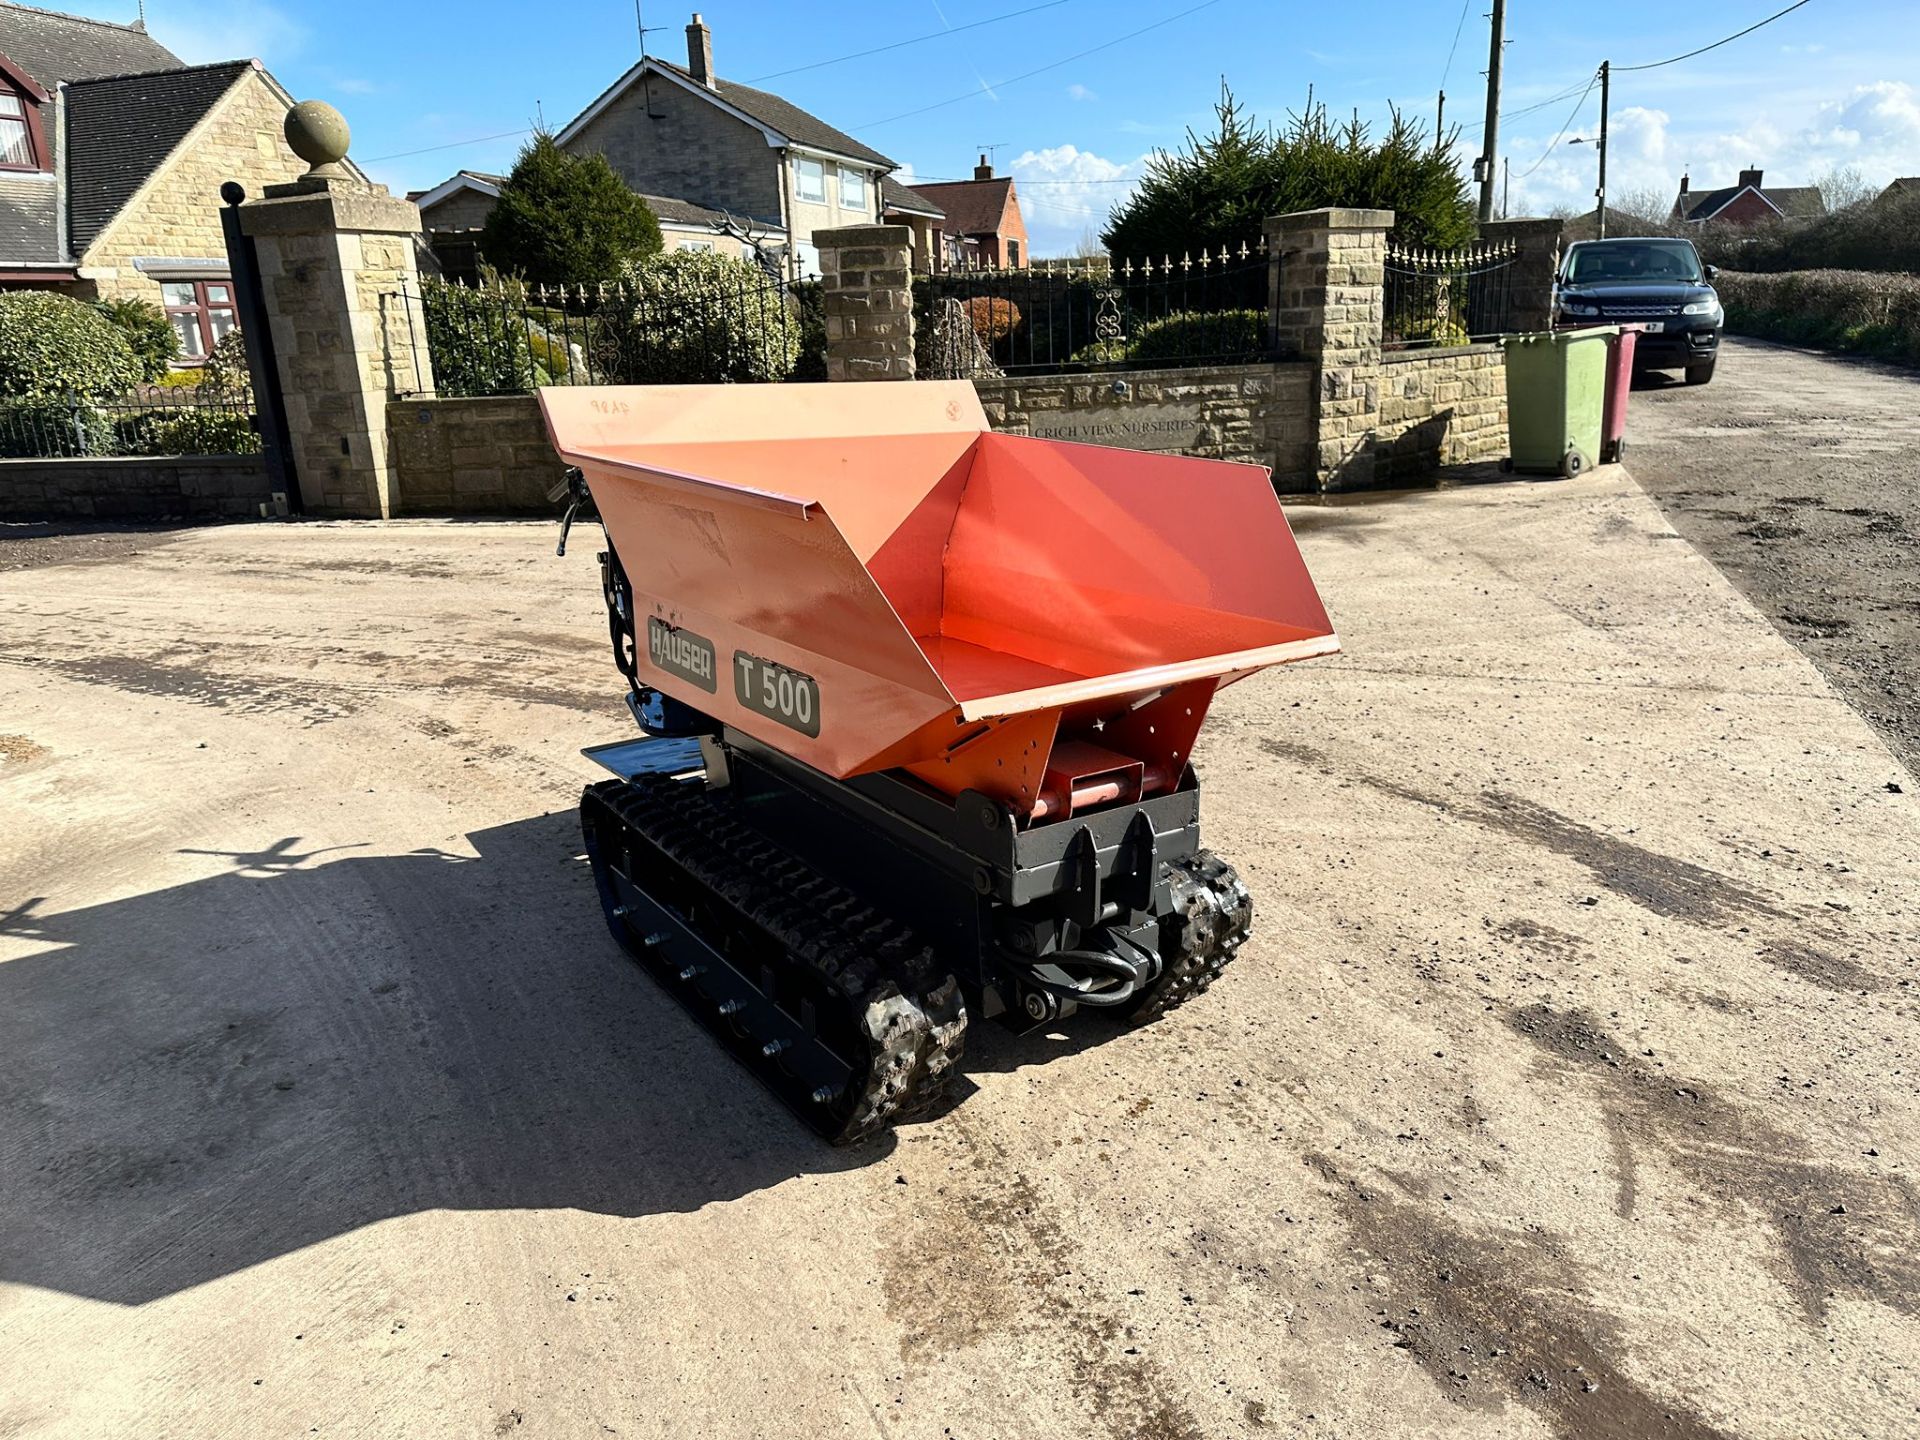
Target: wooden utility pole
(1600, 217)
(1440, 119)
(1490, 137)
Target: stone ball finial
(318, 134)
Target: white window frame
(858, 178)
(816, 170)
(695, 245)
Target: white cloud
(202, 30)
(1080, 92)
(1064, 191)
(1873, 127)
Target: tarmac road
(1565, 1089)
(1798, 473)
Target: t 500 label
(777, 692)
(682, 653)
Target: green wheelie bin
(1556, 392)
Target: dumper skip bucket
(867, 577)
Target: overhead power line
(1578, 105)
(1043, 69)
(1676, 59)
(1447, 69)
(902, 44)
(450, 145)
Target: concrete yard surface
(1566, 1087)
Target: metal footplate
(837, 1007)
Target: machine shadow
(202, 1078)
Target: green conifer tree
(565, 219)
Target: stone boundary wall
(135, 487)
(1261, 414)
(1441, 407)
(481, 456)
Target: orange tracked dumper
(918, 703)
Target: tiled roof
(685, 212)
(895, 196)
(119, 130)
(29, 222)
(776, 114)
(53, 47)
(972, 207)
(1793, 200)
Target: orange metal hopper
(866, 576)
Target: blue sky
(1832, 84)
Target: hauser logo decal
(681, 653)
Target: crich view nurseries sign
(1131, 427)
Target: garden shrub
(697, 318)
(809, 305)
(150, 335)
(1101, 352)
(1862, 311)
(53, 345)
(226, 367)
(994, 317)
(479, 341)
(57, 426)
(200, 431)
(1227, 334)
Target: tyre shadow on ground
(201, 1078)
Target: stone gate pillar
(1327, 272)
(866, 290)
(340, 279)
(1534, 268)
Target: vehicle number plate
(777, 692)
(1654, 327)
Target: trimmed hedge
(1224, 335)
(690, 318)
(200, 432)
(1862, 311)
(53, 345)
(53, 426)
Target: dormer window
(16, 132)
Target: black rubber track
(883, 1003)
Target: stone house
(455, 211)
(112, 154)
(1747, 203)
(982, 224)
(682, 131)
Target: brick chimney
(983, 171)
(1751, 177)
(1685, 180)
(700, 52)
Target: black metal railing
(684, 325)
(1101, 314)
(154, 420)
(1448, 297)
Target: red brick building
(1747, 203)
(982, 225)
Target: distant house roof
(895, 196)
(971, 207)
(1794, 201)
(477, 180)
(1904, 185)
(121, 129)
(770, 112)
(665, 207)
(54, 47)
